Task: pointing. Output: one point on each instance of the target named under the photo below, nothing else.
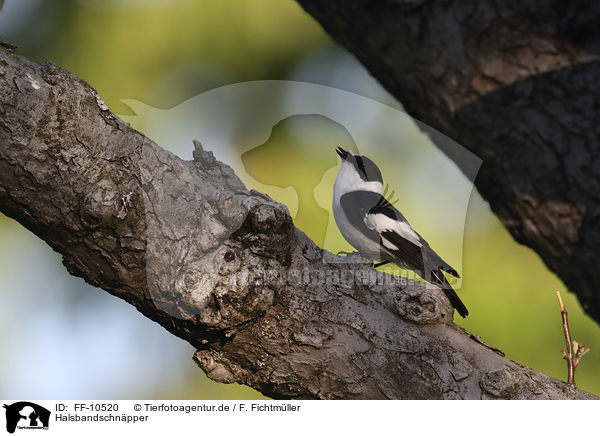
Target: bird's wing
(405, 253)
(356, 205)
(384, 217)
(397, 236)
(380, 220)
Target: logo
(26, 415)
(285, 148)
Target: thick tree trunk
(224, 268)
(515, 82)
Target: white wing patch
(381, 223)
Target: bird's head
(360, 165)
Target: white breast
(346, 181)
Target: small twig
(574, 349)
(568, 355)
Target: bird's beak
(341, 153)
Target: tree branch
(516, 83)
(224, 268)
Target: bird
(378, 231)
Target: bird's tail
(438, 278)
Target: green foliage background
(163, 52)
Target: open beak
(341, 153)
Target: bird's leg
(377, 265)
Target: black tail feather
(438, 278)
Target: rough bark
(516, 82)
(188, 246)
